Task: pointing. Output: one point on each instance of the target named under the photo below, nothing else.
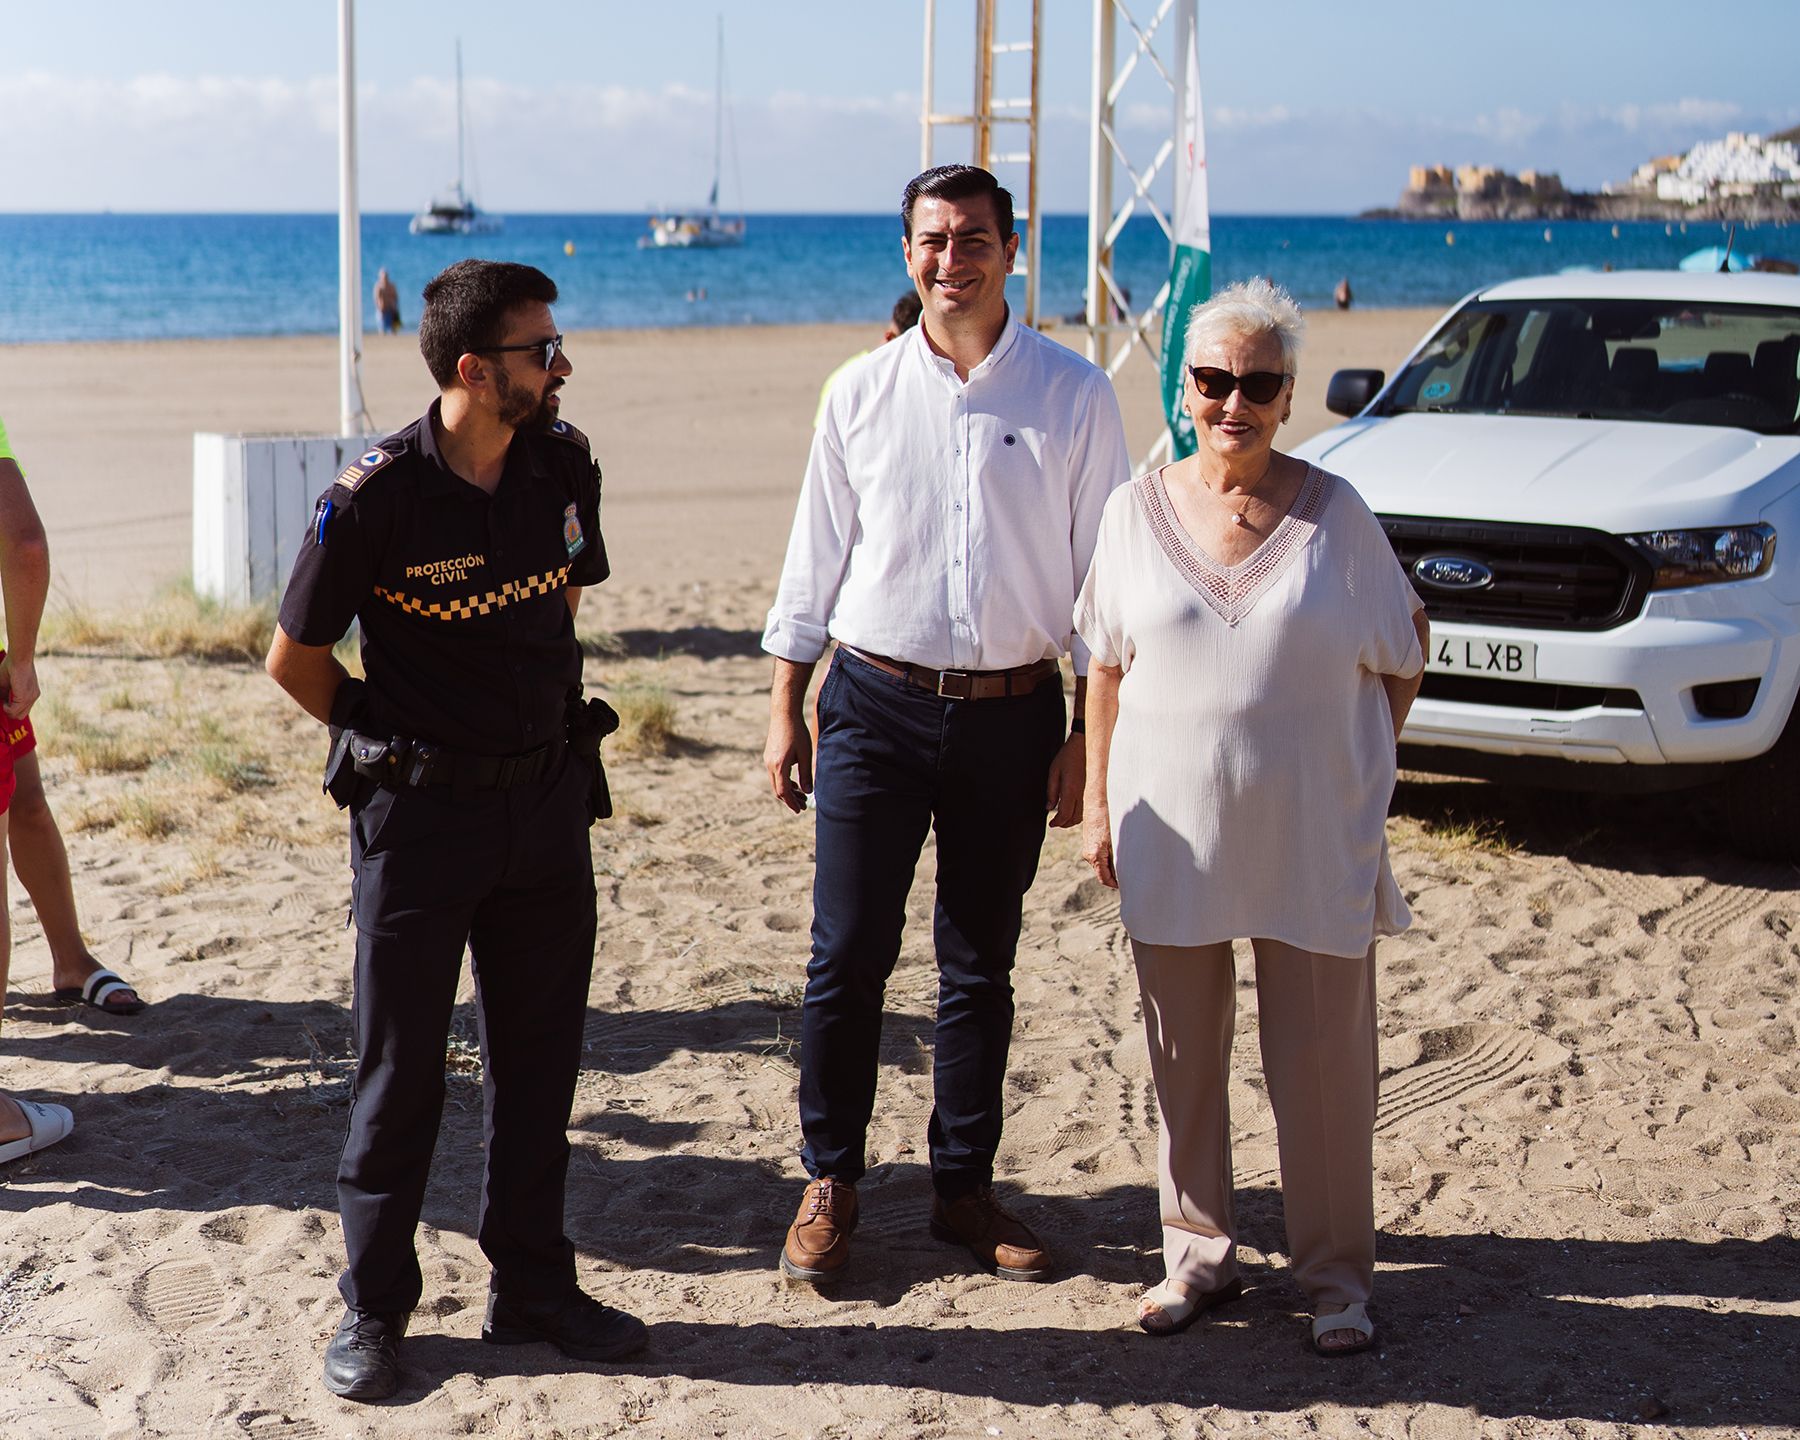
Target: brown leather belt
(964, 684)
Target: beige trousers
(1317, 1020)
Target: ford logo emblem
(1452, 572)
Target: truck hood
(1617, 476)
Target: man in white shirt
(945, 524)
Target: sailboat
(704, 229)
(455, 213)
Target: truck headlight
(1705, 557)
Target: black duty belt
(965, 684)
(397, 761)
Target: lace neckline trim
(1233, 590)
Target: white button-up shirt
(949, 523)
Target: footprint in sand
(178, 1294)
(1456, 1063)
(1715, 909)
(206, 1167)
(230, 1228)
(1090, 895)
(1077, 1136)
(57, 1420)
(273, 1423)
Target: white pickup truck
(1588, 478)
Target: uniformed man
(462, 544)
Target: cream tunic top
(1253, 758)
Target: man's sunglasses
(549, 349)
(1259, 386)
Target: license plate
(1477, 655)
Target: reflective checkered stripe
(468, 607)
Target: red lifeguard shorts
(16, 740)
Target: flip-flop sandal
(98, 988)
(1181, 1311)
(1355, 1317)
(49, 1123)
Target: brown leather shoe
(997, 1238)
(818, 1242)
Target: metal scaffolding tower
(1114, 330)
(986, 115)
(1125, 48)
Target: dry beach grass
(1587, 1153)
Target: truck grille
(1545, 577)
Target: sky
(1312, 106)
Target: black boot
(362, 1362)
(576, 1324)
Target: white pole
(1100, 185)
(462, 197)
(925, 110)
(352, 415)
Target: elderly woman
(1256, 647)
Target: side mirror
(1351, 391)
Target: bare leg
(42, 861)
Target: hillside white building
(1739, 165)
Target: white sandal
(48, 1123)
(1354, 1317)
(1179, 1311)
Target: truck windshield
(1674, 361)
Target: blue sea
(119, 277)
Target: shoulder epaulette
(563, 430)
(365, 465)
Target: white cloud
(1228, 118)
(1508, 126)
(157, 141)
(1703, 115)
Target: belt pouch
(340, 767)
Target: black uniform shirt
(467, 640)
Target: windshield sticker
(1436, 390)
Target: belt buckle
(961, 679)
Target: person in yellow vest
(905, 316)
(25, 1125)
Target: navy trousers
(892, 761)
(507, 873)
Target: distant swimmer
(387, 302)
(1342, 294)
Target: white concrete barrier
(253, 502)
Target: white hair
(1250, 307)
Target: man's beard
(519, 410)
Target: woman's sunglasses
(1259, 386)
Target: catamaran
(455, 213)
(704, 229)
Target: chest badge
(573, 540)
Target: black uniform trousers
(894, 759)
(507, 873)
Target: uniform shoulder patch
(563, 430)
(361, 468)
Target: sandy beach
(1588, 1154)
